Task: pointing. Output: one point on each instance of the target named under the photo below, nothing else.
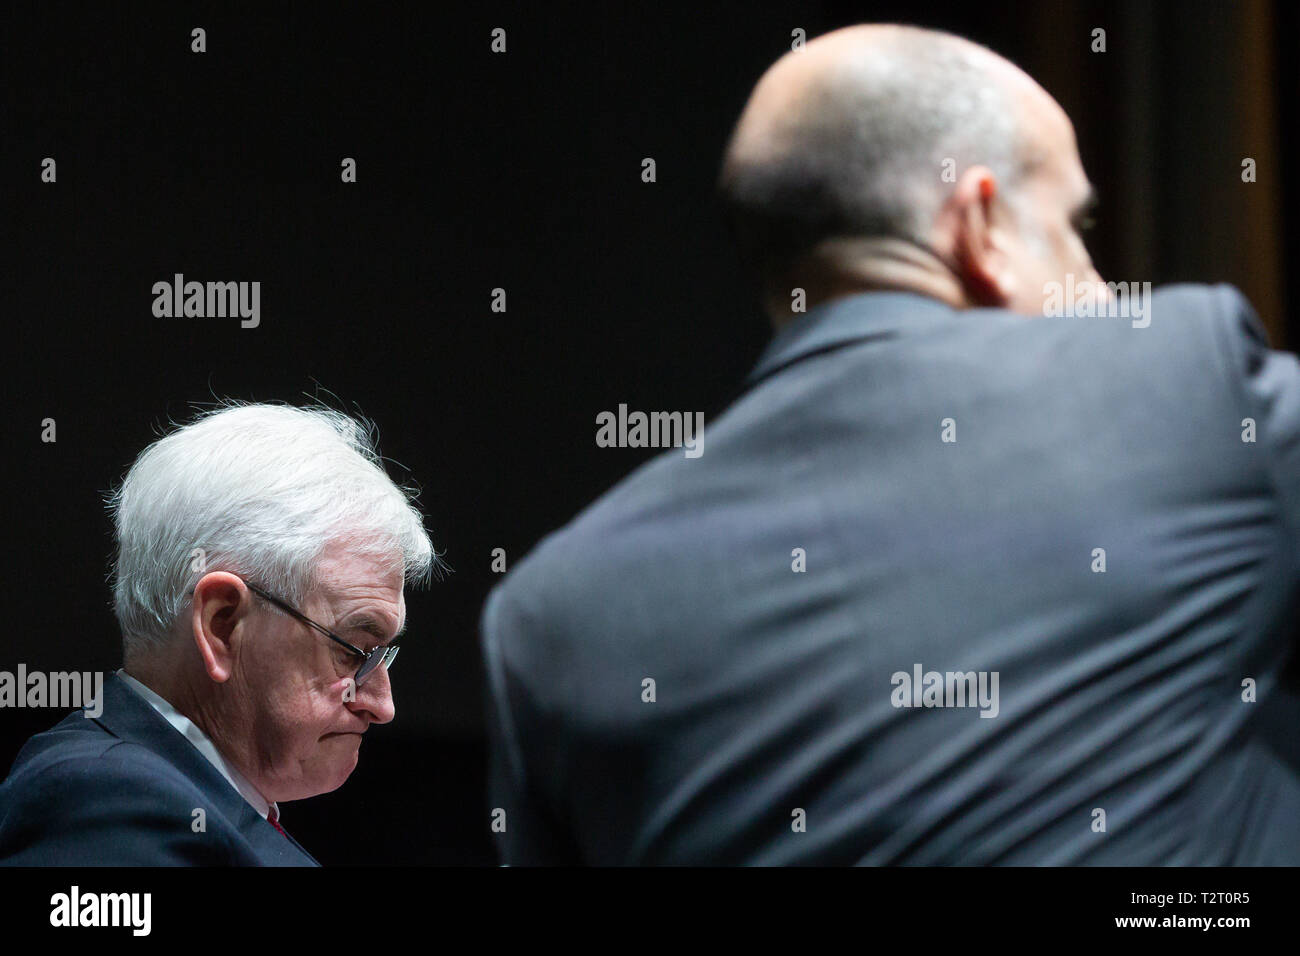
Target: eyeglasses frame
(365, 656)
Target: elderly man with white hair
(262, 556)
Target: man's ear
(983, 263)
(221, 603)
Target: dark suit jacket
(1121, 691)
(121, 790)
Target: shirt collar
(190, 731)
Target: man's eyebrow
(365, 621)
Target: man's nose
(375, 697)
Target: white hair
(258, 490)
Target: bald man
(967, 575)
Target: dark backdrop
(477, 171)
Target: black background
(475, 171)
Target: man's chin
(343, 764)
(330, 772)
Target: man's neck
(836, 268)
(167, 680)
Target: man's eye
(1084, 223)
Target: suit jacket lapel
(129, 717)
(274, 846)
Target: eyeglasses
(382, 656)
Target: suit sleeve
(113, 809)
(533, 834)
(1270, 380)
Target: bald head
(865, 133)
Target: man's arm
(1270, 381)
(533, 835)
(111, 809)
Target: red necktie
(276, 823)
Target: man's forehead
(1047, 124)
(373, 601)
(1051, 137)
(348, 577)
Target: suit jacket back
(1120, 692)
